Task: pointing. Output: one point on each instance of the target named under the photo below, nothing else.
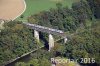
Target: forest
(81, 23)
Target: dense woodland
(15, 40)
(82, 20)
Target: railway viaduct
(50, 31)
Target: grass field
(36, 6)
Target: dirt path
(11, 9)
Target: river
(25, 58)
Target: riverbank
(11, 9)
(13, 60)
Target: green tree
(20, 64)
(34, 62)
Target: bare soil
(10, 9)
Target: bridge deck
(45, 29)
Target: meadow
(36, 6)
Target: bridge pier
(65, 40)
(51, 42)
(36, 35)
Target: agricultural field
(36, 6)
(11, 9)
